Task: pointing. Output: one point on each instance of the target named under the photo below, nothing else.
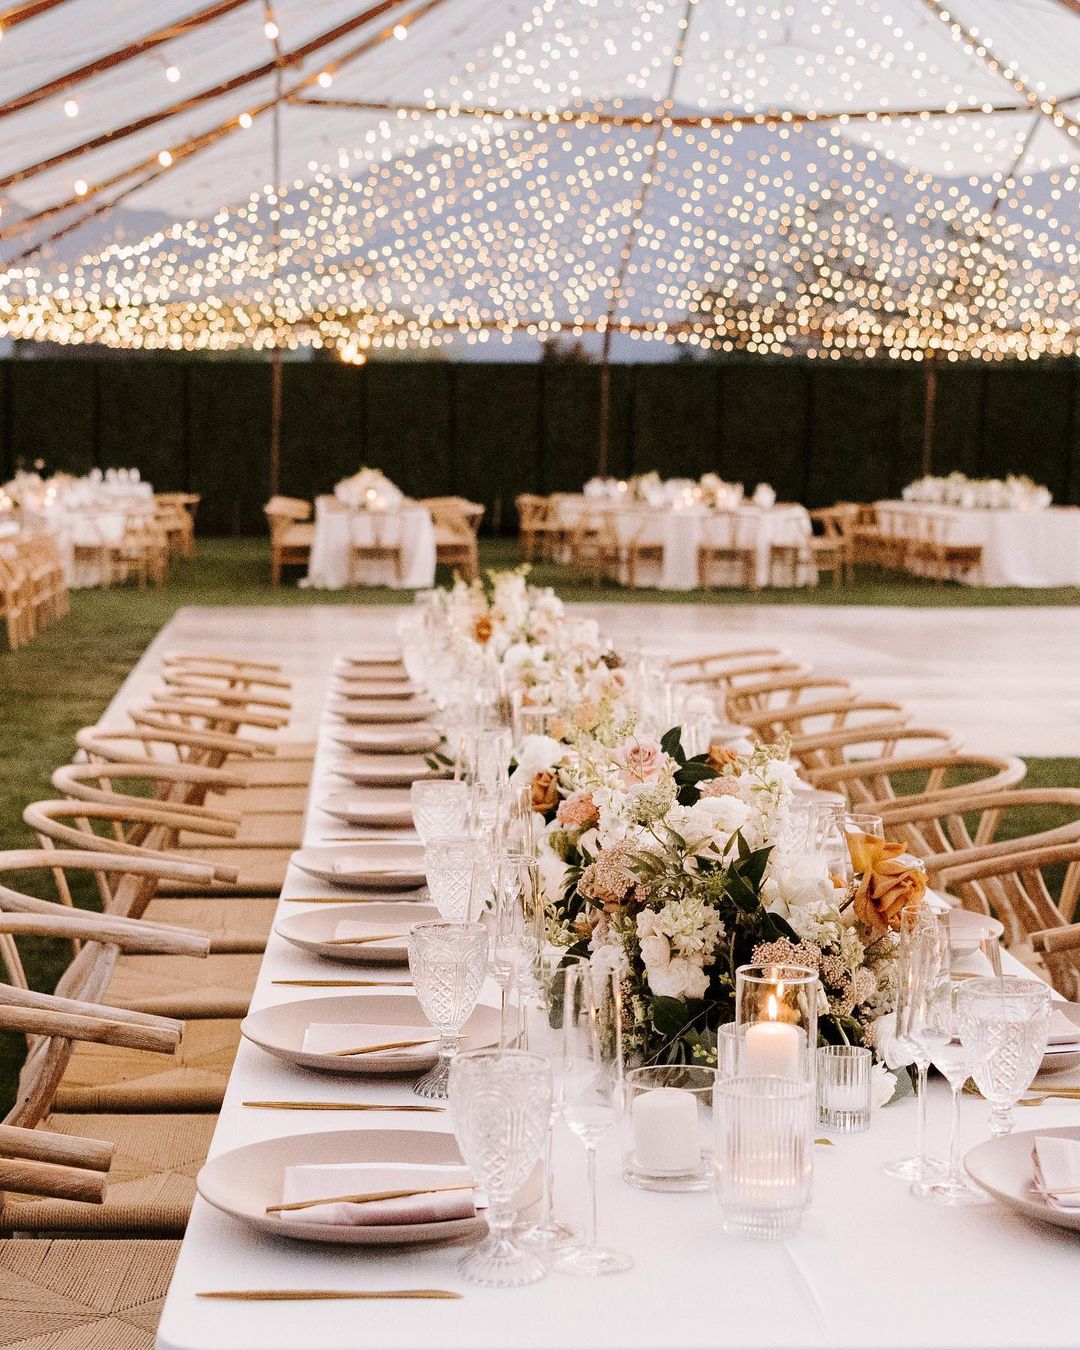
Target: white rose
(882, 1085)
(679, 978)
(538, 754)
(655, 952)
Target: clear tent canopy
(834, 177)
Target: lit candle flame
(772, 1007)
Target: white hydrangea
(538, 754)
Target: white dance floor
(1005, 680)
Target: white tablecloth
(1020, 548)
(87, 529)
(872, 1269)
(337, 528)
(679, 532)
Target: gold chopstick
(299, 1295)
(366, 1199)
(387, 1045)
(340, 1106)
(346, 984)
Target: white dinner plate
(313, 930)
(244, 1181)
(1005, 1169)
(382, 711)
(384, 672)
(387, 770)
(409, 740)
(387, 808)
(397, 866)
(384, 689)
(279, 1030)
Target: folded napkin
(349, 865)
(324, 1038)
(376, 813)
(310, 1181)
(1057, 1168)
(355, 928)
(1063, 1030)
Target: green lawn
(66, 677)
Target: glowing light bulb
(172, 73)
(245, 120)
(272, 31)
(71, 108)
(164, 159)
(81, 188)
(325, 79)
(400, 32)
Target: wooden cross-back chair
(972, 826)
(538, 526)
(1033, 892)
(876, 741)
(811, 717)
(153, 1157)
(708, 664)
(103, 1076)
(874, 784)
(239, 868)
(213, 679)
(291, 534)
(784, 689)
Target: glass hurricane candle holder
(668, 1128)
(776, 1013)
(843, 1088)
(764, 1154)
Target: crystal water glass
(593, 1093)
(924, 949)
(448, 962)
(440, 808)
(458, 870)
(545, 997)
(1006, 1020)
(957, 1059)
(501, 1104)
(764, 1154)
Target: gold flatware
(393, 896)
(1063, 1094)
(340, 1106)
(362, 941)
(346, 984)
(298, 1295)
(362, 1199)
(387, 1045)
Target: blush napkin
(1057, 1168)
(309, 1181)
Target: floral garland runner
(682, 865)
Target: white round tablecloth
(337, 529)
(1020, 548)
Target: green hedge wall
(817, 432)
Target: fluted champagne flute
(593, 1093)
(924, 945)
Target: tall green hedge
(817, 431)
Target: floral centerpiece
(1017, 492)
(369, 490)
(683, 867)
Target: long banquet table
(870, 1268)
(1019, 548)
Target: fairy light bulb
(325, 79)
(71, 108)
(165, 158)
(172, 74)
(81, 187)
(245, 120)
(271, 30)
(400, 32)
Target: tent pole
(929, 407)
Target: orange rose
(545, 792)
(483, 628)
(720, 757)
(890, 880)
(558, 728)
